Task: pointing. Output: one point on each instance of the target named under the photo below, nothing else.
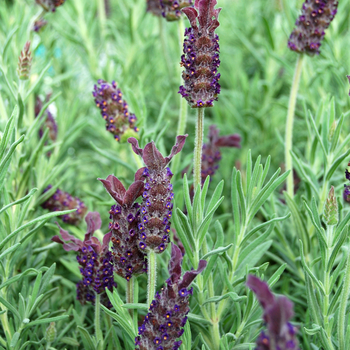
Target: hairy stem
(152, 276)
(98, 330)
(342, 322)
(130, 293)
(181, 126)
(289, 125)
(197, 166)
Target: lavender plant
(201, 61)
(306, 38)
(297, 244)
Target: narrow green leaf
(234, 296)
(217, 251)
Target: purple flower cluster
(346, 193)
(126, 216)
(211, 154)
(94, 258)
(154, 7)
(156, 207)
(310, 28)
(171, 9)
(60, 201)
(164, 323)
(114, 109)
(277, 312)
(201, 55)
(50, 5)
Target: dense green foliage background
(142, 53)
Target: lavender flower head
(167, 313)
(125, 215)
(154, 7)
(315, 18)
(114, 110)
(60, 201)
(211, 154)
(50, 5)
(94, 258)
(39, 24)
(156, 210)
(277, 312)
(171, 9)
(201, 55)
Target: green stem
(197, 166)
(342, 323)
(181, 126)
(152, 276)
(289, 125)
(98, 330)
(215, 332)
(130, 293)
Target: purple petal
(180, 141)
(76, 243)
(106, 240)
(139, 174)
(278, 314)
(189, 276)
(192, 15)
(229, 141)
(135, 146)
(93, 221)
(175, 263)
(206, 12)
(261, 290)
(135, 190)
(114, 187)
(152, 157)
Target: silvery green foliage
(242, 226)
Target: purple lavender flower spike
(60, 201)
(125, 217)
(157, 196)
(346, 193)
(94, 258)
(211, 154)
(201, 55)
(114, 110)
(164, 323)
(50, 5)
(315, 18)
(277, 312)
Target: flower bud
(315, 18)
(331, 209)
(201, 55)
(51, 332)
(114, 110)
(24, 62)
